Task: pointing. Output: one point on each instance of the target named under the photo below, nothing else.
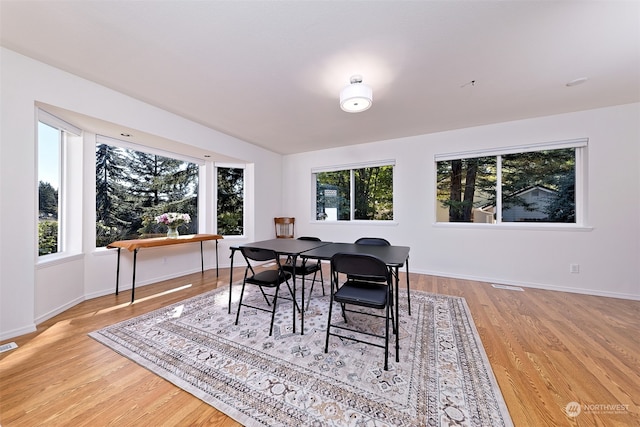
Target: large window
(364, 192)
(52, 139)
(537, 183)
(230, 201)
(133, 187)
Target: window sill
(515, 226)
(357, 222)
(46, 261)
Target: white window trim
(244, 167)
(101, 139)
(69, 239)
(351, 167)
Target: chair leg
(273, 312)
(326, 345)
(313, 282)
(386, 339)
(321, 277)
(240, 302)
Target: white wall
(31, 293)
(608, 254)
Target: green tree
(230, 201)
(47, 200)
(47, 237)
(132, 188)
(374, 193)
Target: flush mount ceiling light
(356, 97)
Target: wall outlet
(164, 259)
(574, 268)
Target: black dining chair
(272, 278)
(304, 267)
(368, 285)
(379, 241)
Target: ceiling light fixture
(356, 97)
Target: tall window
(360, 193)
(230, 201)
(522, 184)
(134, 187)
(52, 146)
(49, 154)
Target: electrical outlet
(574, 268)
(164, 259)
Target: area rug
(443, 377)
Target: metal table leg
(133, 282)
(118, 272)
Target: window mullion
(498, 189)
(352, 195)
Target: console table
(136, 244)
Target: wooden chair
(284, 227)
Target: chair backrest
(258, 254)
(373, 241)
(285, 227)
(362, 266)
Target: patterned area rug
(443, 377)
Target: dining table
(394, 257)
(291, 248)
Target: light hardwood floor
(546, 348)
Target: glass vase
(172, 232)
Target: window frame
(66, 131)
(244, 168)
(115, 142)
(581, 173)
(351, 167)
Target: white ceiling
(270, 72)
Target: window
(230, 201)
(364, 192)
(538, 183)
(136, 184)
(52, 138)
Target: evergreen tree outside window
(230, 201)
(533, 184)
(133, 187)
(360, 193)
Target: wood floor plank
(546, 349)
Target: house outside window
(362, 192)
(541, 183)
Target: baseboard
(17, 332)
(599, 293)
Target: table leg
(397, 316)
(133, 282)
(217, 270)
(293, 260)
(118, 272)
(233, 251)
(408, 293)
(201, 259)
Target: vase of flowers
(173, 220)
